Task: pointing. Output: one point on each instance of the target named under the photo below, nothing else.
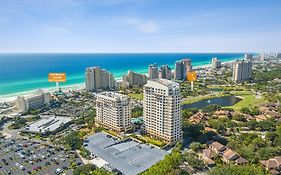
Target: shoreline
(79, 86)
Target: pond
(222, 101)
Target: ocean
(20, 72)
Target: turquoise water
(25, 72)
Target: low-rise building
(217, 148)
(196, 118)
(48, 124)
(273, 165)
(208, 155)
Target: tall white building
(37, 100)
(153, 71)
(134, 79)
(162, 110)
(165, 72)
(242, 70)
(97, 78)
(113, 111)
(216, 63)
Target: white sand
(13, 97)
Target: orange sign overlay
(192, 76)
(57, 77)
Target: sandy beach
(13, 97)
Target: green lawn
(248, 100)
(136, 96)
(147, 139)
(196, 99)
(154, 141)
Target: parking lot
(128, 156)
(29, 157)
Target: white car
(58, 171)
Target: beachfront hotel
(113, 111)
(242, 71)
(134, 79)
(97, 78)
(153, 71)
(182, 67)
(216, 63)
(162, 110)
(37, 100)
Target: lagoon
(222, 101)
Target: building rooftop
(50, 123)
(128, 156)
(112, 96)
(165, 82)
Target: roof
(217, 145)
(50, 123)
(208, 153)
(162, 82)
(112, 96)
(229, 154)
(241, 160)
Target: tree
(189, 112)
(195, 146)
(73, 140)
(137, 111)
(237, 170)
(193, 160)
(168, 164)
(84, 169)
(211, 108)
(239, 117)
(255, 111)
(245, 110)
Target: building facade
(134, 79)
(187, 65)
(35, 101)
(242, 71)
(153, 71)
(97, 78)
(165, 72)
(216, 63)
(182, 67)
(162, 110)
(113, 111)
(248, 57)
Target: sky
(140, 26)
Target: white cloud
(147, 27)
(141, 25)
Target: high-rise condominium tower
(97, 78)
(242, 70)
(113, 111)
(134, 79)
(153, 71)
(216, 64)
(162, 110)
(165, 72)
(182, 67)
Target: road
(10, 133)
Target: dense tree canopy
(73, 140)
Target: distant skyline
(140, 26)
